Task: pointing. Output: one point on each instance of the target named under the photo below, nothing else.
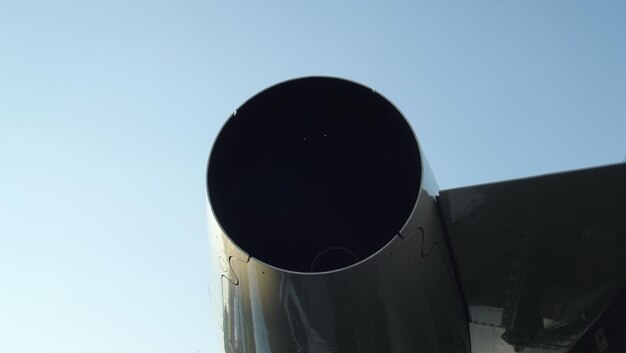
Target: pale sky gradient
(108, 110)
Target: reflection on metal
(539, 259)
(396, 298)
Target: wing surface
(542, 261)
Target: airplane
(328, 233)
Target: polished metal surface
(539, 259)
(386, 284)
(402, 299)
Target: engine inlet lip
(386, 238)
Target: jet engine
(324, 231)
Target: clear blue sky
(108, 110)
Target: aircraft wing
(542, 261)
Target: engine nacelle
(324, 228)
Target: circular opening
(314, 164)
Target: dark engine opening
(314, 174)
